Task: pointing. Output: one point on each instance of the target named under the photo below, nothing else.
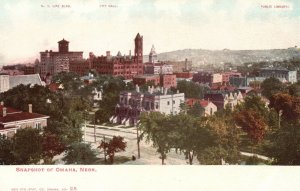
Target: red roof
(191, 101)
(53, 87)
(17, 115)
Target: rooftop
(24, 79)
(13, 115)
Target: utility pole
(279, 116)
(95, 128)
(138, 140)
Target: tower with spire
(138, 48)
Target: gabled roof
(24, 79)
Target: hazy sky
(26, 27)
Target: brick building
(184, 75)
(126, 66)
(54, 62)
(166, 81)
(227, 75)
(209, 78)
(144, 79)
(80, 67)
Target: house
(12, 119)
(222, 99)
(132, 103)
(207, 105)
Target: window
(173, 101)
(38, 125)
(168, 103)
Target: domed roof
(152, 52)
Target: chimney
(30, 108)
(4, 112)
(2, 103)
(149, 89)
(162, 90)
(107, 53)
(177, 92)
(137, 88)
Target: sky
(30, 26)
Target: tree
(6, 151)
(284, 140)
(27, 146)
(252, 123)
(116, 144)
(190, 89)
(112, 86)
(71, 82)
(80, 153)
(196, 110)
(154, 127)
(271, 86)
(226, 140)
(189, 135)
(51, 146)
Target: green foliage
(190, 89)
(51, 146)
(116, 144)
(196, 110)
(212, 156)
(271, 86)
(27, 146)
(71, 82)
(80, 153)
(253, 160)
(226, 140)
(112, 86)
(6, 148)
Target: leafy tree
(196, 110)
(226, 137)
(154, 127)
(51, 146)
(271, 86)
(6, 148)
(71, 82)
(189, 135)
(284, 140)
(116, 144)
(252, 123)
(27, 146)
(294, 89)
(190, 89)
(112, 86)
(212, 155)
(80, 153)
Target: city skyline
(97, 26)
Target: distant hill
(235, 57)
